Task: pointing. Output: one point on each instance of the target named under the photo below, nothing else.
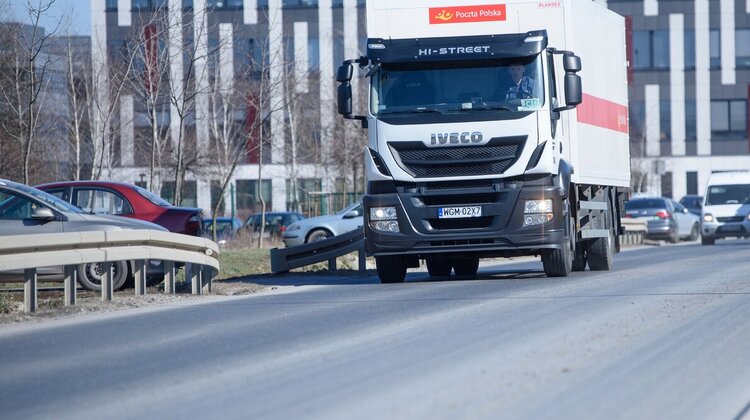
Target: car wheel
(90, 275)
(439, 266)
(707, 241)
(318, 235)
(675, 238)
(695, 232)
(466, 267)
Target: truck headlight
(537, 212)
(383, 213)
(384, 219)
(708, 218)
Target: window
(101, 201)
(729, 118)
(742, 48)
(304, 201)
(692, 184)
(247, 199)
(651, 49)
(111, 5)
(689, 49)
(715, 48)
(690, 115)
(666, 186)
(15, 207)
(224, 4)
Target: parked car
(26, 210)
(120, 199)
(276, 222)
(667, 219)
(694, 203)
(726, 210)
(322, 227)
(226, 228)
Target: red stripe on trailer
(603, 113)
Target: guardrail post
(107, 290)
(169, 277)
(332, 264)
(29, 290)
(362, 260)
(139, 276)
(206, 277)
(194, 275)
(71, 277)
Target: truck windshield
(510, 85)
(728, 194)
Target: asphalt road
(666, 335)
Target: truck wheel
(601, 253)
(559, 262)
(466, 267)
(579, 257)
(391, 269)
(439, 266)
(90, 275)
(707, 241)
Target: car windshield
(728, 194)
(49, 199)
(509, 85)
(152, 197)
(645, 204)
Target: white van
(726, 206)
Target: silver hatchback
(26, 210)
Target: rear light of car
(282, 229)
(662, 214)
(195, 225)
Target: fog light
(385, 226)
(383, 213)
(708, 218)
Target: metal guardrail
(285, 259)
(635, 231)
(29, 252)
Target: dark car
(276, 222)
(120, 199)
(694, 203)
(226, 228)
(666, 219)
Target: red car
(106, 197)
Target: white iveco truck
(496, 128)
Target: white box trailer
(496, 128)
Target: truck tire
(559, 262)
(439, 266)
(90, 275)
(466, 267)
(391, 269)
(579, 257)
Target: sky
(77, 11)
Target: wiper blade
(487, 108)
(414, 111)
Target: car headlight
(708, 218)
(293, 227)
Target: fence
(30, 252)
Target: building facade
(689, 87)
(689, 91)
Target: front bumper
(499, 232)
(726, 230)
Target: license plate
(731, 228)
(459, 212)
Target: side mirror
(43, 213)
(345, 99)
(352, 214)
(685, 210)
(571, 63)
(344, 73)
(573, 89)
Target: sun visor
(456, 48)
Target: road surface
(664, 335)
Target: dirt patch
(51, 301)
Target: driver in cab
(521, 86)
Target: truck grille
(432, 162)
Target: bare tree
(30, 65)
(78, 83)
